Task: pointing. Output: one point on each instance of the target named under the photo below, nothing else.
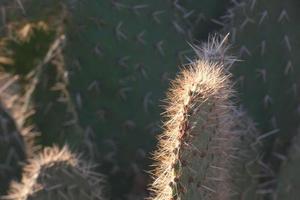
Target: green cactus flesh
(57, 174)
(265, 35)
(12, 151)
(120, 56)
(203, 153)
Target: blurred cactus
(266, 38)
(57, 174)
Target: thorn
(78, 100)
(48, 108)
(77, 64)
(99, 22)
(8, 83)
(274, 122)
(263, 16)
(178, 28)
(156, 14)
(122, 92)
(122, 61)
(70, 122)
(243, 50)
(208, 189)
(120, 35)
(262, 73)
(188, 14)
(141, 68)
(283, 15)
(218, 22)
(136, 8)
(21, 6)
(101, 115)
(287, 43)
(147, 101)
(129, 125)
(118, 5)
(89, 132)
(241, 81)
(178, 6)
(94, 85)
(159, 47)
(201, 17)
(265, 135)
(253, 3)
(279, 156)
(236, 3)
(140, 37)
(246, 21)
(233, 35)
(263, 47)
(98, 50)
(288, 68)
(182, 55)
(59, 86)
(267, 101)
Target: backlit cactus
(197, 151)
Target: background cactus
(12, 150)
(265, 36)
(288, 180)
(57, 174)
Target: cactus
(202, 137)
(288, 179)
(57, 174)
(12, 150)
(265, 37)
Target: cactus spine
(57, 174)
